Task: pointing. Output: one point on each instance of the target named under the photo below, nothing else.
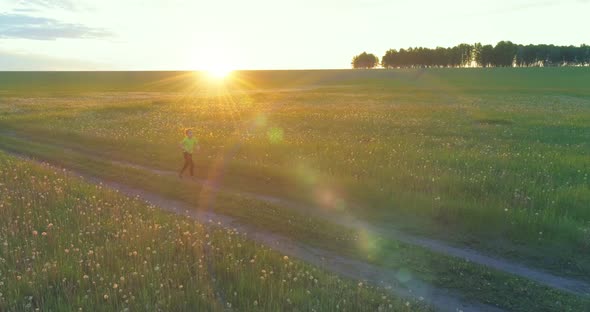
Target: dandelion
(115, 286)
(35, 233)
(44, 234)
(285, 258)
(105, 296)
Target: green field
(496, 160)
(92, 249)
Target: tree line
(503, 54)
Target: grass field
(69, 245)
(493, 159)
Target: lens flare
(275, 135)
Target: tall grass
(68, 245)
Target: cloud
(50, 4)
(41, 28)
(10, 61)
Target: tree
(584, 54)
(365, 60)
(555, 55)
(504, 54)
(390, 59)
(529, 57)
(485, 55)
(520, 56)
(476, 52)
(465, 54)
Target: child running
(188, 146)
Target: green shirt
(188, 144)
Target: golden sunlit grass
(466, 157)
(70, 245)
(486, 161)
(445, 271)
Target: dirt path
(571, 285)
(414, 290)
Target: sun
(219, 72)
(213, 58)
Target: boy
(188, 145)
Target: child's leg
(191, 164)
(186, 163)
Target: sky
(264, 34)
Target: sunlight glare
(219, 72)
(213, 57)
